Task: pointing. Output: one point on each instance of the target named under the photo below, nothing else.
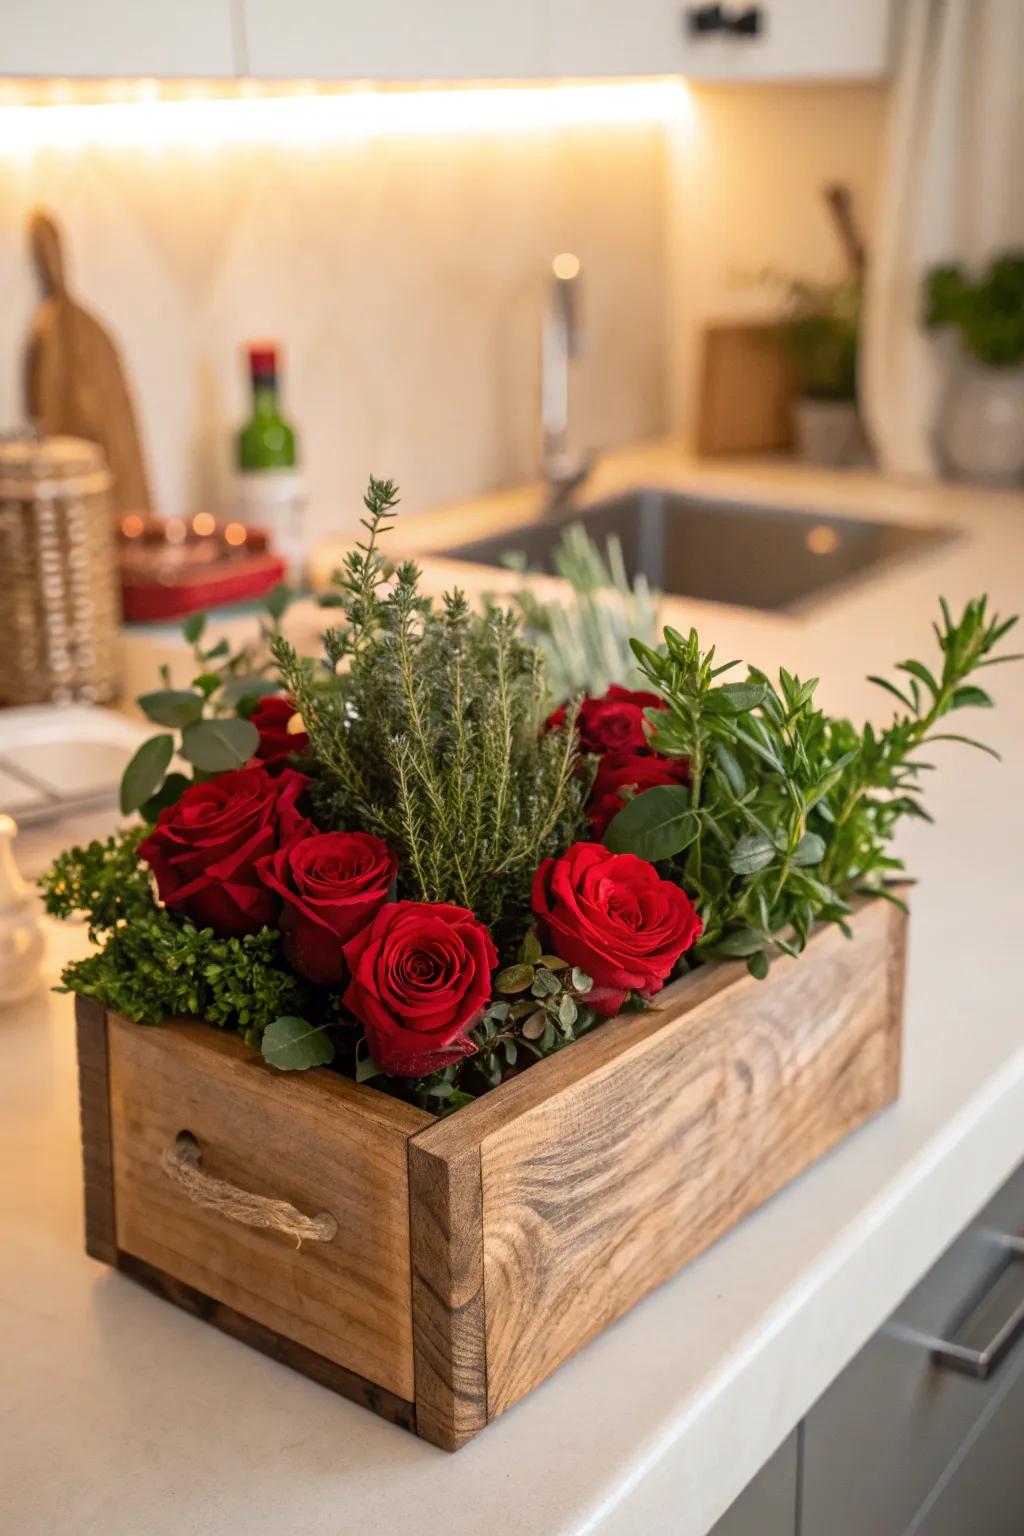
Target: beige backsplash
(406, 274)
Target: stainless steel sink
(723, 552)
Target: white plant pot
(981, 425)
(828, 432)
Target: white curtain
(952, 190)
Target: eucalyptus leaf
(654, 825)
(145, 773)
(171, 706)
(193, 627)
(514, 978)
(293, 1045)
(216, 746)
(169, 793)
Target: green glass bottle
(266, 441)
(270, 494)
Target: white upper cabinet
(394, 39)
(84, 39)
(795, 39)
(422, 40)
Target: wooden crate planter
(473, 1255)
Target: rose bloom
(331, 884)
(271, 717)
(613, 723)
(612, 915)
(618, 771)
(204, 850)
(421, 973)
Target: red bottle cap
(263, 359)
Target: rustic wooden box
(474, 1254)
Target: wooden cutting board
(76, 381)
(746, 389)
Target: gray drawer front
(886, 1431)
(767, 1506)
(984, 1495)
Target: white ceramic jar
(981, 425)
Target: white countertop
(122, 1416)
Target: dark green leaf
(207, 683)
(757, 965)
(970, 697)
(883, 682)
(193, 627)
(920, 671)
(277, 600)
(967, 741)
(735, 698)
(217, 746)
(169, 793)
(145, 773)
(215, 652)
(293, 1045)
(738, 943)
(731, 768)
(655, 824)
(172, 706)
(751, 854)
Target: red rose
(271, 717)
(204, 850)
(331, 884)
(613, 916)
(618, 771)
(613, 723)
(421, 972)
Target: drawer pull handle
(181, 1162)
(961, 1352)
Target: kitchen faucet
(563, 470)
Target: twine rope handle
(182, 1161)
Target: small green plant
(987, 311)
(426, 726)
(790, 813)
(820, 332)
(587, 640)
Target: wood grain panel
(598, 1193)
(285, 1351)
(317, 1140)
(746, 389)
(448, 1298)
(94, 1110)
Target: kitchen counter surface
(124, 1416)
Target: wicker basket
(61, 605)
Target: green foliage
(585, 640)
(211, 717)
(292, 1045)
(425, 727)
(789, 813)
(987, 311)
(820, 332)
(151, 965)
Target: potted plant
(820, 334)
(430, 1026)
(981, 425)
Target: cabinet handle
(981, 1360)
